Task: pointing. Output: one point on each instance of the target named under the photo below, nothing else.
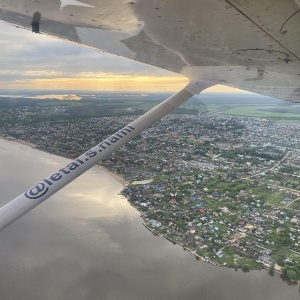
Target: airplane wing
(253, 45)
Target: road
(21, 114)
(292, 202)
(272, 168)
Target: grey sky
(26, 55)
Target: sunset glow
(111, 83)
(37, 62)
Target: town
(225, 187)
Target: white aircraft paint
(64, 3)
(105, 40)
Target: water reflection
(86, 242)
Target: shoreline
(116, 176)
(33, 146)
(21, 142)
(193, 252)
(183, 247)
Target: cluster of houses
(197, 162)
(200, 219)
(178, 142)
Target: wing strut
(50, 185)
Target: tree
(292, 275)
(271, 270)
(245, 268)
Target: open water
(87, 242)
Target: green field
(90, 107)
(254, 112)
(275, 198)
(275, 112)
(295, 205)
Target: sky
(39, 62)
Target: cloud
(33, 61)
(109, 83)
(27, 53)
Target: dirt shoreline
(116, 176)
(33, 146)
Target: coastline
(183, 247)
(116, 176)
(193, 252)
(33, 146)
(10, 139)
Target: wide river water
(87, 242)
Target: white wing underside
(253, 45)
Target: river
(87, 242)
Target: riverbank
(116, 176)
(193, 252)
(213, 257)
(184, 247)
(33, 146)
(10, 139)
